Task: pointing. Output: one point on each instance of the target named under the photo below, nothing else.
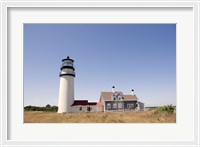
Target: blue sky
(129, 56)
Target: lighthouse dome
(67, 67)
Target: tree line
(47, 108)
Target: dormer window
(113, 97)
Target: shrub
(48, 108)
(168, 109)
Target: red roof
(80, 102)
(83, 103)
(92, 103)
(130, 97)
(107, 96)
(99, 103)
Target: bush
(37, 108)
(167, 109)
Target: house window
(89, 109)
(80, 109)
(108, 106)
(114, 105)
(130, 106)
(119, 105)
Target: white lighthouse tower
(66, 92)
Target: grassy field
(100, 117)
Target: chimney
(113, 89)
(132, 92)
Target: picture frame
(15, 133)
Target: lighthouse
(66, 91)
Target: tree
(48, 106)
